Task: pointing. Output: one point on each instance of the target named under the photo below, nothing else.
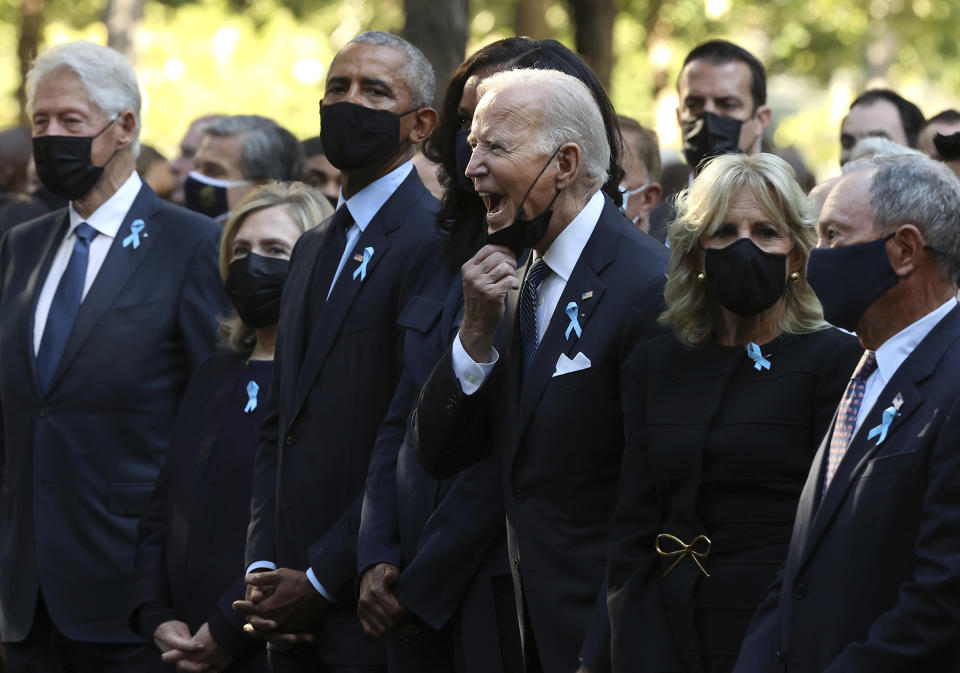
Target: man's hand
(209, 658)
(174, 642)
(487, 277)
(583, 669)
(379, 609)
(282, 606)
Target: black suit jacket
(559, 439)
(80, 461)
(446, 535)
(333, 384)
(872, 577)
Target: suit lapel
(599, 251)
(117, 268)
(918, 366)
(35, 285)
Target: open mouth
(494, 203)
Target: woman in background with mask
(728, 412)
(189, 561)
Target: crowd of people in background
(486, 387)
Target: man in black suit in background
(337, 360)
(534, 372)
(871, 582)
(106, 309)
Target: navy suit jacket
(872, 577)
(333, 384)
(80, 460)
(559, 438)
(446, 535)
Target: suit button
(519, 495)
(799, 591)
(290, 439)
(779, 656)
(45, 411)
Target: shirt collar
(892, 352)
(563, 253)
(368, 201)
(109, 216)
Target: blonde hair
(306, 206)
(702, 208)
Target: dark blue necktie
(528, 311)
(64, 307)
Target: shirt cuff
(319, 587)
(261, 565)
(470, 374)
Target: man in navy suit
(338, 360)
(106, 308)
(533, 373)
(872, 577)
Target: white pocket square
(565, 365)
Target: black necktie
(328, 260)
(528, 311)
(65, 305)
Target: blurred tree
(122, 17)
(28, 40)
(439, 30)
(529, 19)
(593, 33)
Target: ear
(763, 117)
(570, 158)
(794, 262)
(126, 126)
(651, 197)
(905, 250)
(424, 122)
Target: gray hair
(416, 72)
(568, 113)
(270, 152)
(919, 191)
(105, 73)
(876, 147)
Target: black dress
(191, 540)
(719, 449)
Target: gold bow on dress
(684, 550)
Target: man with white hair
(106, 308)
(535, 369)
(871, 581)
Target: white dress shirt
(106, 220)
(891, 354)
(363, 206)
(561, 257)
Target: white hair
(876, 147)
(105, 73)
(568, 113)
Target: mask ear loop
(533, 184)
(100, 133)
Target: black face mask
(463, 153)
(708, 136)
(524, 234)
(948, 147)
(354, 136)
(849, 278)
(64, 165)
(743, 278)
(334, 200)
(254, 284)
(208, 196)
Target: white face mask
(627, 193)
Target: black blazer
(191, 538)
(872, 578)
(716, 448)
(559, 439)
(446, 535)
(333, 384)
(80, 461)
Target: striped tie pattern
(528, 311)
(847, 414)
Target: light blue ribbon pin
(362, 269)
(252, 390)
(759, 362)
(134, 238)
(574, 325)
(888, 415)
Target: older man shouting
(534, 372)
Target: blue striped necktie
(528, 311)
(65, 305)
